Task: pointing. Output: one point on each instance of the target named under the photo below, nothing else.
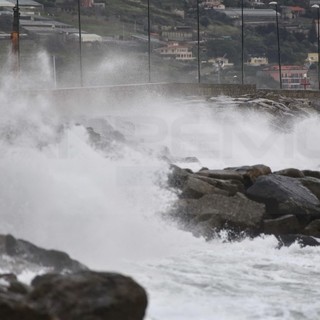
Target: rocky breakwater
(249, 201)
(66, 291)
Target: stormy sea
(91, 180)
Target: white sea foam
(104, 204)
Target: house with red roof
(293, 77)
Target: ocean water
(103, 199)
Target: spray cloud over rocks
(91, 179)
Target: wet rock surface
(249, 200)
(81, 295)
(25, 252)
(67, 291)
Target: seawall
(116, 93)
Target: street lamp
(242, 44)
(198, 23)
(279, 55)
(80, 43)
(316, 6)
(149, 44)
(15, 35)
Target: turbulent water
(94, 185)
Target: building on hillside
(257, 61)
(41, 27)
(179, 33)
(291, 12)
(312, 57)
(222, 62)
(28, 7)
(85, 37)
(292, 76)
(87, 3)
(251, 16)
(256, 3)
(176, 51)
(212, 4)
(179, 13)
(6, 6)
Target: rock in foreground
(84, 295)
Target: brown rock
(291, 172)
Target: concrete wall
(72, 96)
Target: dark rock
(288, 224)
(251, 173)
(12, 284)
(290, 172)
(221, 174)
(89, 295)
(231, 186)
(13, 307)
(177, 177)
(195, 188)
(183, 211)
(79, 296)
(311, 173)
(289, 239)
(313, 228)
(57, 260)
(313, 184)
(285, 195)
(237, 213)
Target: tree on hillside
(312, 35)
(220, 48)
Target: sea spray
(104, 204)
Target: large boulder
(231, 186)
(313, 228)
(311, 173)
(313, 184)
(25, 251)
(251, 173)
(285, 195)
(221, 174)
(288, 224)
(178, 177)
(79, 296)
(290, 172)
(89, 295)
(195, 188)
(303, 240)
(214, 212)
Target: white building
(257, 61)
(85, 37)
(176, 51)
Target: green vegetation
(221, 36)
(125, 17)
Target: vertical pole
(279, 55)
(242, 44)
(316, 6)
(80, 43)
(15, 36)
(54, 71)
(198, 23)
(318, 35)
(149, 44)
